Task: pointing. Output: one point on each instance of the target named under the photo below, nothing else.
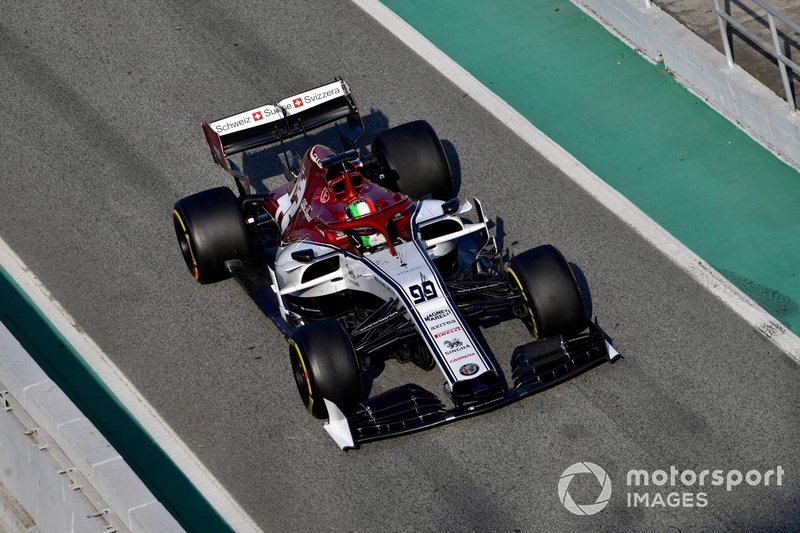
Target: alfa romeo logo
(468, 369)
(584, 468)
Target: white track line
(696, 267)
(131, 398)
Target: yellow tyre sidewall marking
(305, 373)
(527, 303)
(177, 217)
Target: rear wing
(290, 117)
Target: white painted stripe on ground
(687, 260)
(158, 429)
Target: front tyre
(551, 294)
(324, 365)
(210, 230)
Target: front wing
(536, 366)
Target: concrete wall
(57, 472)
(733, 92)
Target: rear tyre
(551, 293)
(414, 161)
(210, 230)
(324, 365)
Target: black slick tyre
(551, 294)
(413, 161)
(324, 365)
(210, 230)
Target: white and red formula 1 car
(367, 255)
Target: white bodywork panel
(337, 426)
(413, 277)
(409, 276)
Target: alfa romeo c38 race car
(367, 255)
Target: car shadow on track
(498, 225)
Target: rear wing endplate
(292, 116)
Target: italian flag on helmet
(367, 237)
(360, 208)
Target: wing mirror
(303, 256)
(451, 206)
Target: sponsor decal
(315, 158)
(297, 190)
(306, 209)
(272, 111)
(405, 271)
(222, 128)
(462, 357)
(325, 195)
(447, 332)
(455, 343)
(289, 203)
(324, 95)
(468, 369)
(248, 119)
(442, 325)
(436, 315)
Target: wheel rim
(301, 376)
(515, 281)
(185, 244)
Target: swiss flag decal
(297, 102)
(257, 116)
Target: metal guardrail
(774, 50)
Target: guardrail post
(779, 56)
(723, 30)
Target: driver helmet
(365, 237)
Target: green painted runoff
(67, 369)
(719, 192)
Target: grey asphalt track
(100, 135)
